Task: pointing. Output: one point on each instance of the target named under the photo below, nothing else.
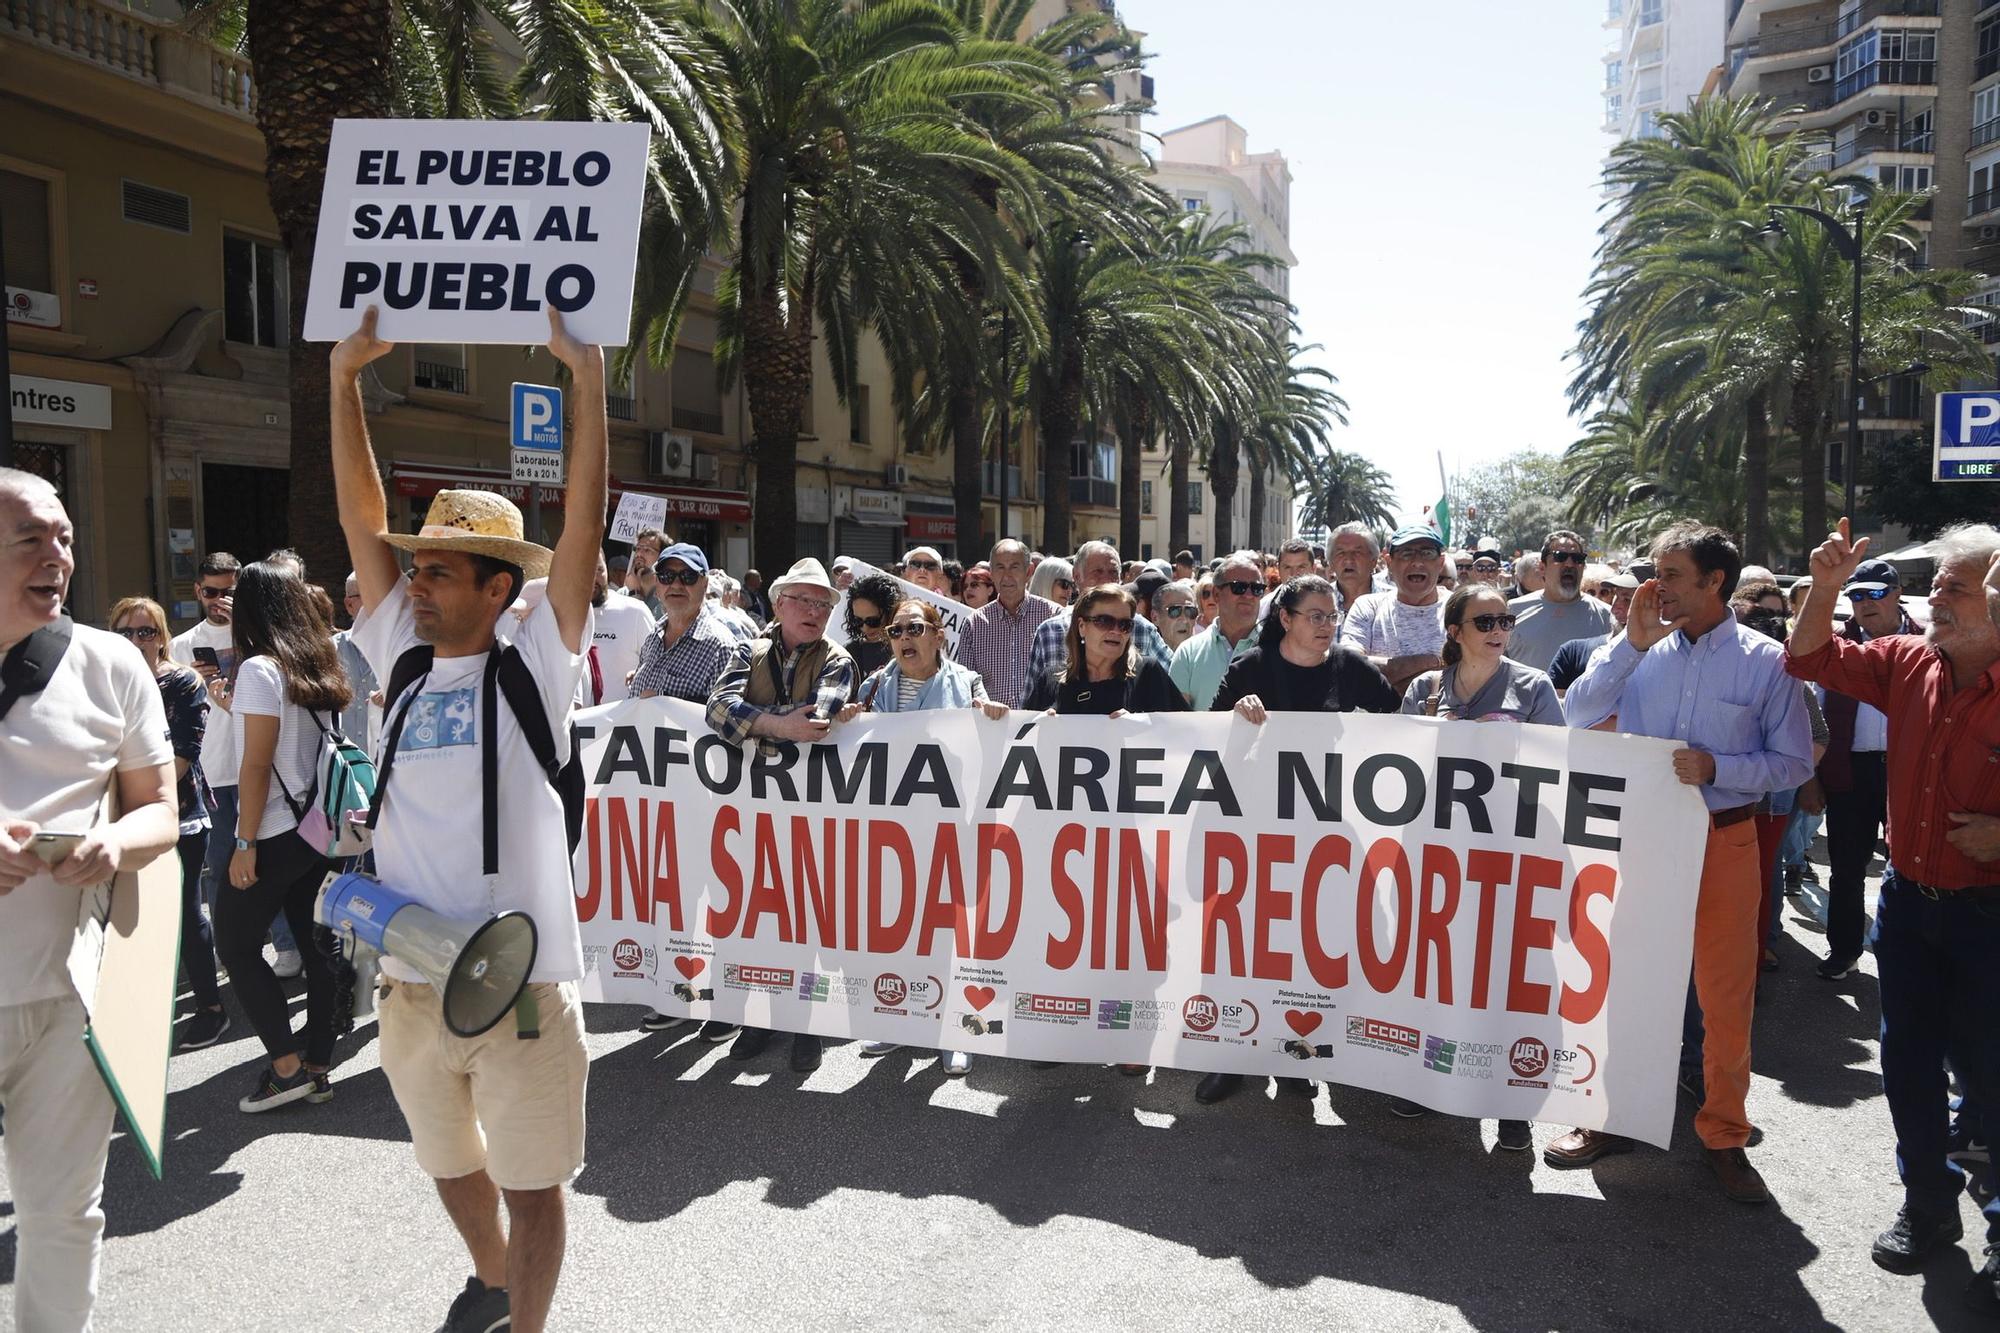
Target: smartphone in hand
(53, 848)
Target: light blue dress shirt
(1726, 693)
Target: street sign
(534, 429)
(1966, 446)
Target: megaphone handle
(527, 1016)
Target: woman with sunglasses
(1480, 683)
(289, 688)
(1102, 673)
(1055, 580)
(871, 605)
(1176, 612)
(978, 589)
(920, 677)
(142, 622)
(1204, 598)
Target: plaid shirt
(995, 643)
(1049, 650)
(731, 715)
(689, 668)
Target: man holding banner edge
(481, 1109)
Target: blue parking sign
(1966, 446)
(535, 430)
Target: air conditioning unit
(1820, 74)
(669, 454)
(40, 309)
(1989, 233)
(704, 467)
(1875, 120)
(896, 475)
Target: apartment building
(1661, 55)
(148, 320)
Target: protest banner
(635, 514)
(954, 614)
(1490, 920)
(467, 231)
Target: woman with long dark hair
(871, 605)
(1103, 673)
(289, 689)
(142, 622)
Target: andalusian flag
(1441, 512)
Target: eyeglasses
(687, 578)
(1487, 624)
(916, 631)
(1179, 610)
(1065, 583)
(144, 633)
(1208, 592)
(1487, 566)
(1566, 557)
(1243, 587)
(1110, 624)
(869, 622)
(1317, 619)
(1869, 594)
(810, 605)
(922, 564)
(208, 594)
(1464, 566)
(1425, 552)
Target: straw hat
(476, 523)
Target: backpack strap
(411, 667)
(489, 759)
(31, 664)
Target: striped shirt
(995, 643)
(731, 715)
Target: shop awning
(419, 481)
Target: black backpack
(31, 664)
(505, 669)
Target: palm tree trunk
(1177, 502)
(1757, 481)
(1060, 413)
(1132, 434)
(314, 61)
(777, 375)
(1255, 537)
(968, 453)
(1225, 462)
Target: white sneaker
(288, 964)
(877, 1047)
(957, 1064)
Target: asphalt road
(878, 1194)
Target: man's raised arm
(357, 486)
(573, 572)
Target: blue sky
(1444, 199)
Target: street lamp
(1848, 243)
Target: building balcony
(1986, 131)
(1779, 48)
(1870, 142)
(1093, 493)
(1982, 206)
(989, 482)
(147, 51)
(692, 418)
(620, 407)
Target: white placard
(955, 614)
(465, 231)
(636, 513)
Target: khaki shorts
(495, 1101)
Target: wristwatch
(245, 845)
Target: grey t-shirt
(1542, 627)
(1514, 692)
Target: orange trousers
(1726, 954)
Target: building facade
(1662, 54)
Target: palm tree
(319, 60)
(1292, 427)
(1344, 487)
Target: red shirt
(1944, 747)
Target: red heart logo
(979, 996)
(1304, 1021)
(689, 967)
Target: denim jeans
(197, 942)
(222, 846)
(1791, 852)
(1940, 999)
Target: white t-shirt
(100, 714)
(1383, 625)
(621, 627)
(218, 742)
(260, 692)
(428, 841)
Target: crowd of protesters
(1838, 705)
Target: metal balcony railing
(1986, 131)
(691, 418)
(1897, 72)
(620, 408)
(438, 376)
(1883, 141)
(132, 46)
(1094, 492)
(1985, 201)
(1810, 36)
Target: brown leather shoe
(1740, 1180)
(1581, 1147)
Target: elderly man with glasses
(1402, 632)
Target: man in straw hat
(494, 1114)
(786, 686)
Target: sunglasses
(869, 622)
(1487, 624)
(1316, 619)
(1180, 610)
(908, 631)
(1870, 594)
(144, 633)
(687, 578)
(208, 594)
(1110, 624)
(1065, 583)
(1243, 587)
(1487, 566)
(922, 564)
(1566, 557)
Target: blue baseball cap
(1873, 576)
(687, 553)
(1415, 532)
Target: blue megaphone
(479, 970)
